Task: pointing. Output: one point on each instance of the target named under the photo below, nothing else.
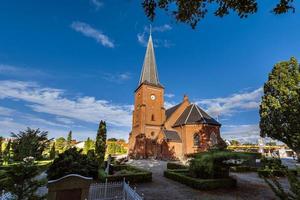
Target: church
(172, 133)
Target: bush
(130, 173)
(171, 165)
(201, 184)
(72, 162)
(271, 167)
(243, 169)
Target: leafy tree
(60, 144)
(235, 142)
(112, 139)
(192, 11)
(31, 142)
(280, 106)
(6, 152)
(72, 162)
(69, 140)
(89, 144)
(100, 145)
(52, 151)
(20, 182)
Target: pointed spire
(149, 71)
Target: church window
(152, 118)
(196, 139)
(152, 133)
(213, 139)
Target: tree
(235, 142)
(112, 139)
(192, 11)
(6, 152)
(1, 140)
(89, 144)
(60, 144)
(19, 180)
(69, 140)
(31, 142)
(100, 145)
(52, 151)
(280, 106)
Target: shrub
(243, 169)
(171, 165)
(130, 173)
(271, 167)
(72, 162)
(201, 184)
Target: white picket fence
(113, 191)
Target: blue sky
(65, 65)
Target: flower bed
(182, 176)
(130, 173)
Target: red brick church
(167, 134)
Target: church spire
(149, 71)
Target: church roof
(149, 73)
(193, 114)
(171, 110)
(172, 135)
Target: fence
(113, 191)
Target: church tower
(148, 116)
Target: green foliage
(130, 173)
(72, 162)
(280, 106)
(52, 151)
(171, 165)
(69, 140)
(100, 145)
(115, 147)
(271, 167)
(60, 144)
(243, 169)
(191, 12)
(18, 180)
(31, 142)
(183, 177)
(112, 139)
(7, 152)
(1, 141)
(89, 144)
(215, 164)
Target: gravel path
(250, 186)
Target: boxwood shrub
(243, 169)
(265, 173)
(171, 165)
(201, 184)
(130, 173)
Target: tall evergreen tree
(6, 152)
(280, 106)
(1, 141)
(100, 145)
(69, 140)
(52, 151)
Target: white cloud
(6, 111)
(169, 95)
(98, 4)
(64, 120)
(234, 103)
(116, 77)
(242, 133)
(141, 37)
(10, 70)
(169, 104)
(53, 101)
(89, 31)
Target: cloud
(64, 120)
(116, 77)
(226, 106)
(96, 3)
(88, 31)
(169, 95)
(141, 37)
(242, 133)
(53, 101)
(10, 70)
(169, 104)
(6, 111)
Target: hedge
(137, 175)
(243, 169)
(171, 165)
(201, 184)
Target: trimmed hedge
(243, 169)
(133, 175)
(265, 173)
(201, 184)
(171, 165)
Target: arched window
(196, 139)
(213, 139)
(152, 118)
(152, 133)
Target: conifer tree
(6, 152)
(280, 106)
(52, 151)
(69, 140)
(1, 141)
(100, 145)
